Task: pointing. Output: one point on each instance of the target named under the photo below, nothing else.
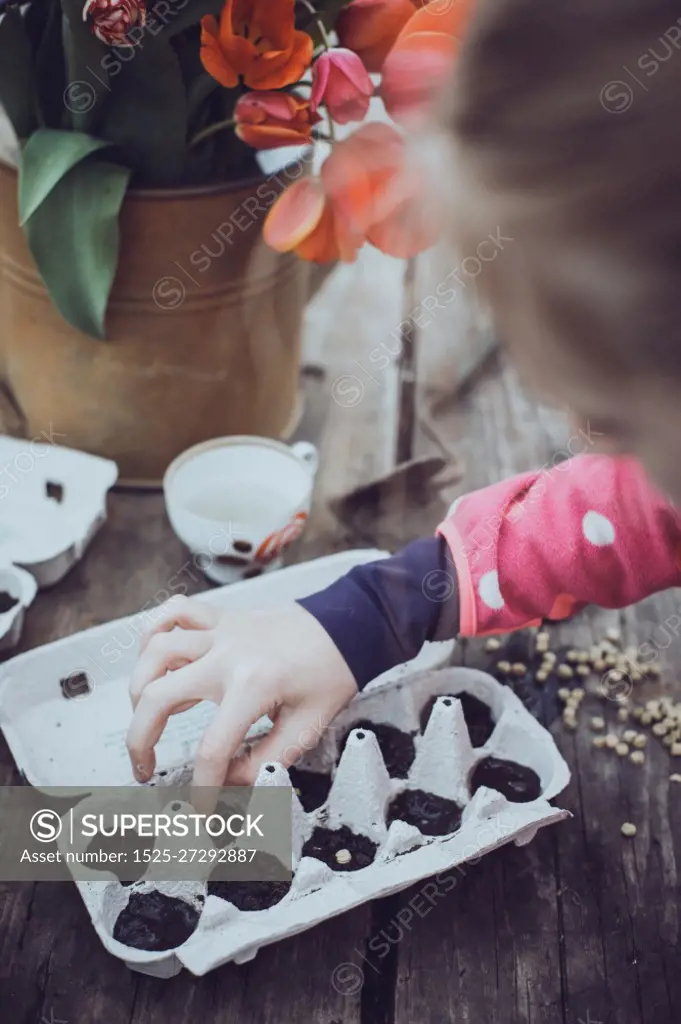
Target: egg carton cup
(52, 502)
(22, 588)
(359, 797)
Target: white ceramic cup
(238, 502)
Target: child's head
(566, 119)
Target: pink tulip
(340, 80)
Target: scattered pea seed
(598, 741)
(610, 660)
(675, 777)
(640, 741)
(637, 757)
(563, 694)
(565, 672)
(659, 729)
(572, 656)
(582, 657)
(611, 741)
(646, 718)
(343, 856)
(629, 736)
(622, 749)
(628, 829)
(504, 667)
(518, 669)
(570, 723)
(551, 657)
(578, 693)
(597, 723)
(583, 670)
(543, 637)
(541, 676)
(615, 676)
(492, 644)
(652, 706)
(599, 665)
(613, 635)
(675, 750)
(623, 714)
(637, 712)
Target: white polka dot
(453, 507)
(597, 529)
(488, 588)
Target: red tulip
(267, 120)
(422, 58)
(340, 80)
(112, 20)
(365, 194)
(370, 27)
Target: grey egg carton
(360, 793)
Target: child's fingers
(295, 731)
(184, 612)
(223, 737)
(158, 701)
(164, 653)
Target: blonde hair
(566, 116)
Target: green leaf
(147, 114)
(74, 238)
(88, 66)
(167, 18)
(47, 157)
(327, 13)
(17, 93)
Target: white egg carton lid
(17, 590)
(80, 742)
(52, 502)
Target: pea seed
(541, 677)
(597, 723)
(563, 694)
(610, 660)
(570, 723)
(623, 714)
(583, 670)
(637, 712)
(611, 740)
(659, 729)
(637, 757)
(598, 741)
(572, 656)
(565, 672)
(543, 637)
(640, 741)
(343, 857)
(675, 777)
(493, 644)
(504, 667)
(518, 669)
(613, 635)
(622, 749)
(628, 829)
(629, 736)
(578, 693)
(599, 665)
(646, 718)
(551, 657)
(675, 750)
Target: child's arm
(540, 545)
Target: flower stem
(212, 129)
(320, 24)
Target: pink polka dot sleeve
(543, 545)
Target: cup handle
(308, 454)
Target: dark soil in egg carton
(432, 815)
(7, 602)
(516, 782)
(312, 788)
(155, 922)
(259, 894)
(476, 713)
(397, 747)
(325, 843)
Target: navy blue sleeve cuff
(381, 614)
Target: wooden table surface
(579, 927)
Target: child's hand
(281, 663)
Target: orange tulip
(423, 57)
(365, 194)
(267, 120)
(370, 27)
(256, 43)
